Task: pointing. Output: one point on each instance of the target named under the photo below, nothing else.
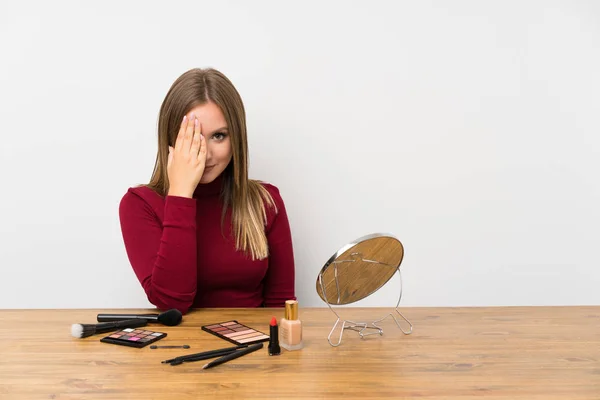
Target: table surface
(529, 353)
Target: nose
(208, 151)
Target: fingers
(189, 134)
(203, 147)
(197, 138)
(181, 133)
(170, 157)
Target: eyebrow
(219, 130)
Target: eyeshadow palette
(236, 333)
(133, 337)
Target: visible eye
(219, 136)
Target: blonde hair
(244, 196)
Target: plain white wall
(469, 129)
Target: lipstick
(274, 349)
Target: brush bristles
(82, 330)
(171, 317)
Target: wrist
(180, 192)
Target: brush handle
(94, 329)
(85, 330)
(111, 326)
(233, 355)
(204, 355)
(121, 317)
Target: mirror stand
(363, 328)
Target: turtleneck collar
(210, 189)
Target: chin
(208, 178)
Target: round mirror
(359, 269)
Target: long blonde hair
(245, 197)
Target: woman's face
(214, 129)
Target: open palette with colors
(237, 333)
(133, 337)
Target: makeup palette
(133, 337)
(236, 333)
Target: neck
(213, 188)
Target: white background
(468, 129)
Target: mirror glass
(359, 269)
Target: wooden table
(534, 353)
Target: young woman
(201, 234)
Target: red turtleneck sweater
(183, 260)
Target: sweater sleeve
(163, 256)
(280, 277)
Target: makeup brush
(170, 318)
(85, 330)
(233, 355)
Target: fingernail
(196, 122)
(184, 117)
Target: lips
(209, 167)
